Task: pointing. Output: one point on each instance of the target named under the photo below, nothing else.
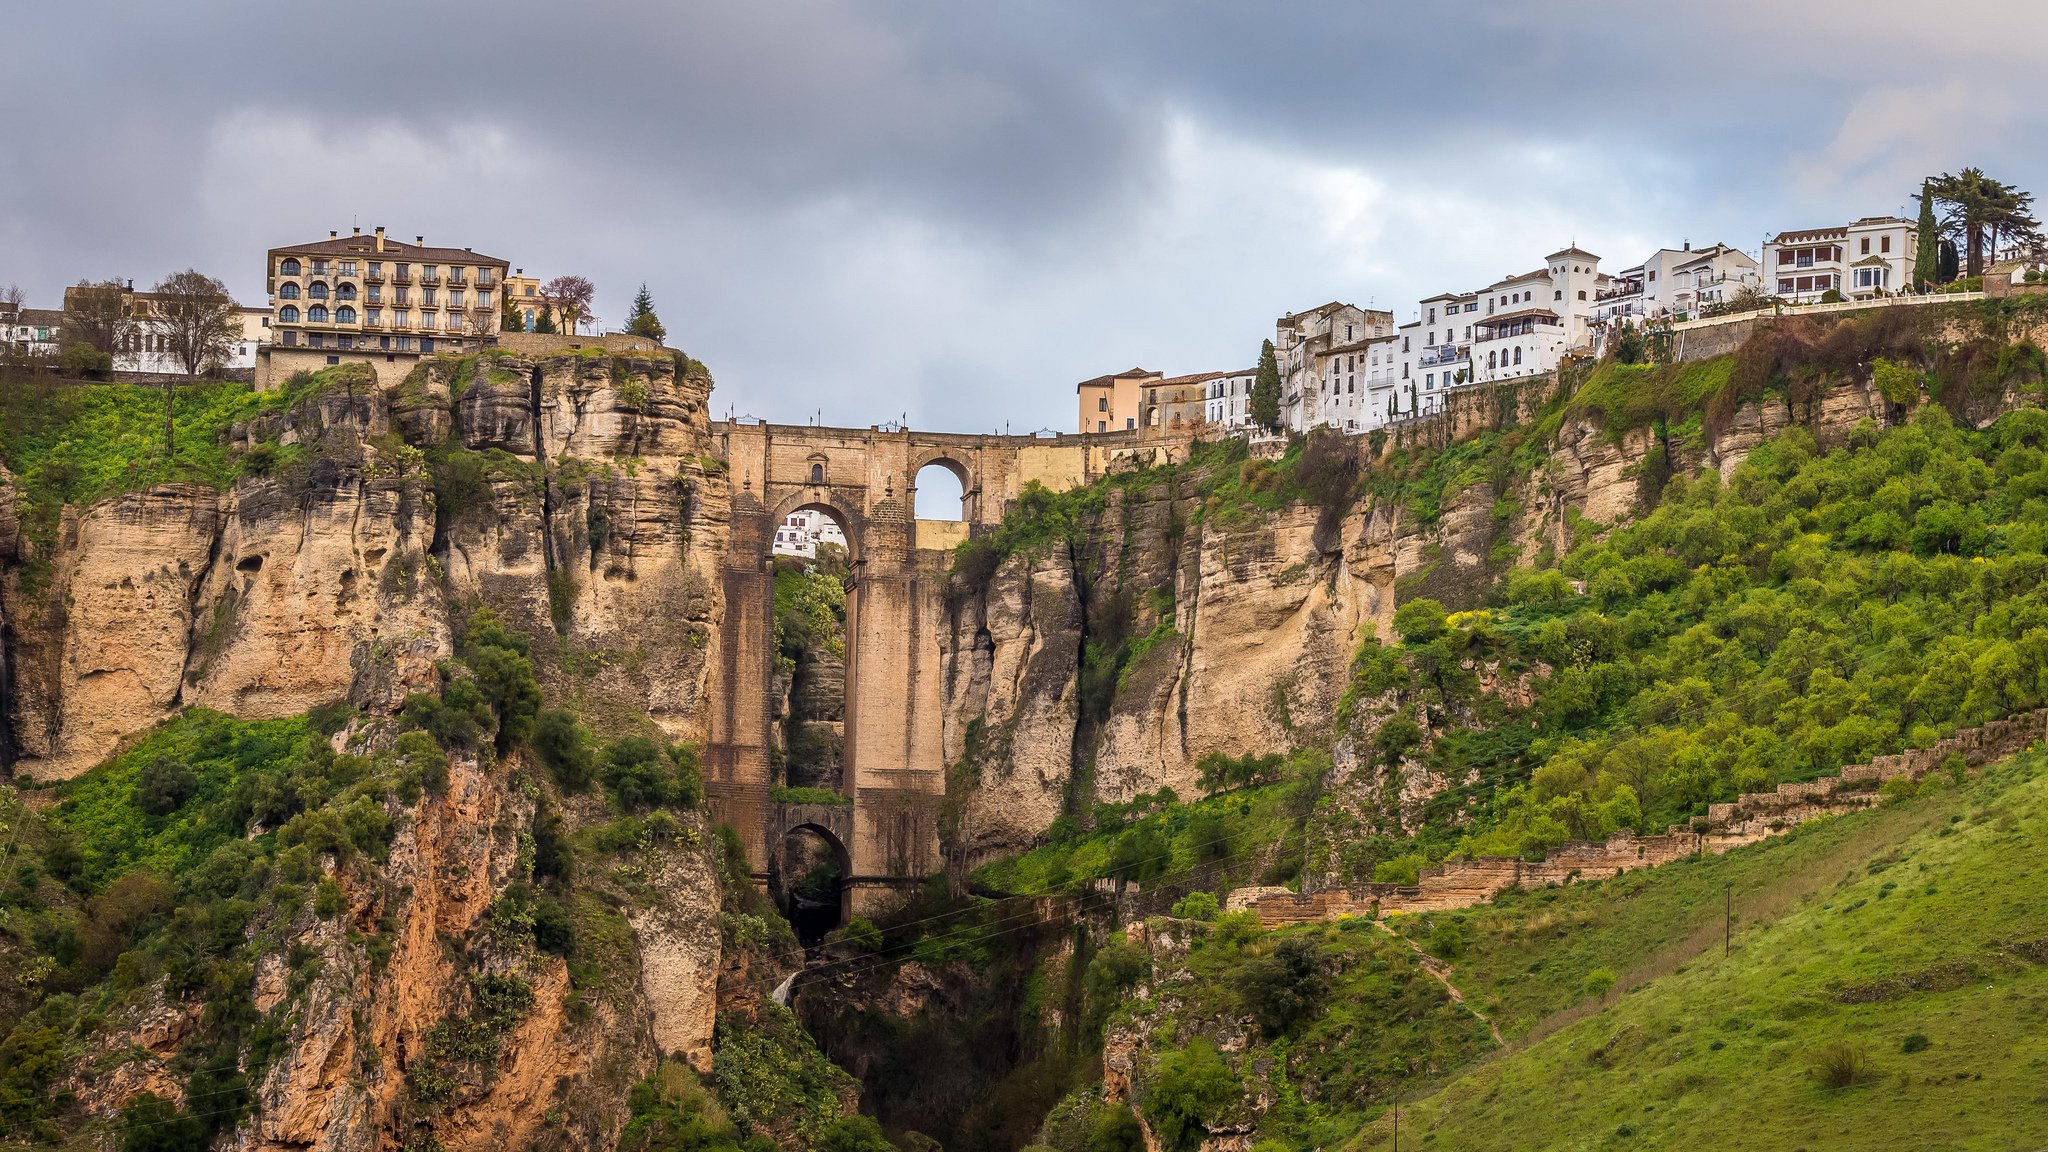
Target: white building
(802, 531)
(30, 331)
(147, 350)
(1529, 323)
(1319, 384)
(1227, 399)
(1873, 256)
(1435, 354)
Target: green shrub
(1284, 985)
(565, 748)
(1914, 1042)
(164, 785)
(1598, 981)
(554, 930)
(150, 1123)
(1191, 1085)
(1840, 1065)
(1196, 906)
(1447, 939)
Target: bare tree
(196, 317)
(98, 316)
(571, 296)
(11, 300)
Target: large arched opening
(812, 562)
(943, 491)
(807, 873)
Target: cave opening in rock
(807, 877)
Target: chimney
(380, 237)
(1688, 245)
(332, 233)
(355, 231)
(420, 240)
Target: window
(1102, 426)
(1866, 247)
(402, 270)
(1582, 293)
(344, 291)
(1884, 244)
(317, 290)
(455, 297)
(1518, 355)
(288, 267)
(1653, 276)
(455, 274)
(334, 359)
(374, 294)
(374, 316)
(1101, 402)
(1489, 361)
(291, 339)
(288, 291)
(1784, 284)
(317, 314)
(483, 299)
(1130, 422)
(376, 269)
(1431, 337)
(427, 297)
(405, 297)
(319, 267)
(348, 268)
(344, 315)
(1558, 294)
(817, 473)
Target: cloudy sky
(957, 210)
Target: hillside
(1887, 993)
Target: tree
(1266, 389)
(196, 317)
(510, 319)
(571, 296)
(545, 322)
(641, 320)
(1947, 265)
(98, 317)
(1981, 210)
(1927, 257)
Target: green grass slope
(1905, 950)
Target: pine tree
(642, 321)
(1927, 258)
(1266, 389)
(546, 321)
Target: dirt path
(1442, 972)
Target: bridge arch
(849, 521)
(812, 913)
(951, 461)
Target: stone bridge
(894, 758)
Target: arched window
(289, 314)
(344, 315)
(941, 495)
(289, 267)
(317, 314)
(344, 291)
(317, 290)
(1489, 360)
(817, 473)
(288, 291)
(1518, 356)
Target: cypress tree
(1926, 258)
(642, 321)
(546, 321)
(1266, 389)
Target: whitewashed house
(802, 531)
(1872, 257)
(1227, 399)
(1529, 323)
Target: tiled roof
(1201, 377)
(50, 316)
(393, 250)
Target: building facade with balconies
(1322, 382)
(375, 300)
(1872, 257)
(1527, 324)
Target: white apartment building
(1227, 399)
(1319, 385)
(1873, 256)
(1382, 373)
(802, 531)
(1435, 354)
(1673, 283)
(1528, 323)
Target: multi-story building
(1227, 399)
(524, 293)
(1528, 323)
(1871, 257)
(1435, 354)
(375, 300)
(30, 331)
(802, 531)
(1175, 402)
(1318, 352)
(1113, 403)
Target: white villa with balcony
(1872, 257)
(1528, 323)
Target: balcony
(1433, 355)
(401, 277)
(430, 278)
(374, 276)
